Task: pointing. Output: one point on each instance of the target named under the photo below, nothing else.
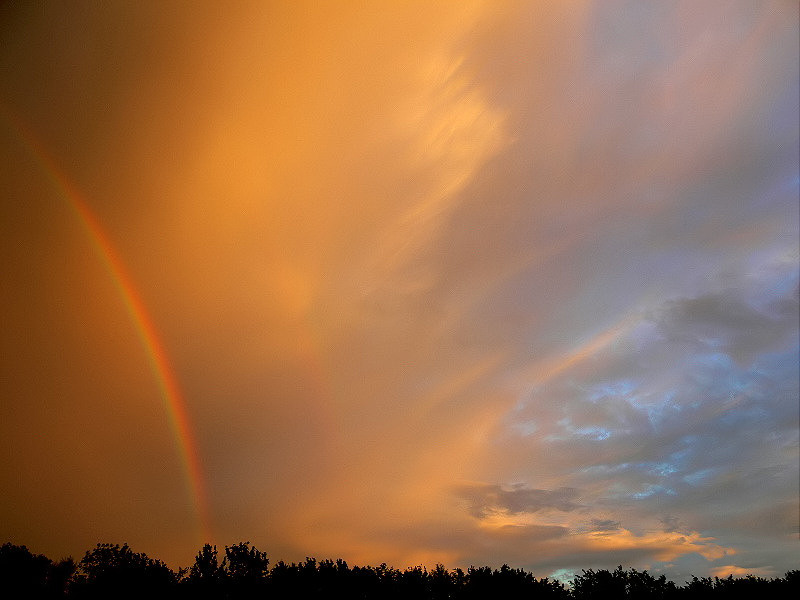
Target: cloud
(727, 570)
(723, 322)
(689, 409)
(660, 546)
(485, 499)
(606, 525)
(670, 523)
(669, 421)
(544, 549)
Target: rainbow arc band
(143, 324)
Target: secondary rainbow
(143, 324)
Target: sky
(408, 282)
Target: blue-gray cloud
(484, 499)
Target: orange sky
(418, 270)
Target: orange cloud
(661, 545)
(727, 570)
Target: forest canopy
(243, 571)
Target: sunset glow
(407, 282)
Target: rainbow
(175, 405)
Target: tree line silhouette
(111, 571)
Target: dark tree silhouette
(206, 567)
(114, 571)
(59, 576)
(22, 573)
(747, 587)
(441, 583)
(27, 575)
(633, 584)
(599, 585)
(206, 576)
(245, 569)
